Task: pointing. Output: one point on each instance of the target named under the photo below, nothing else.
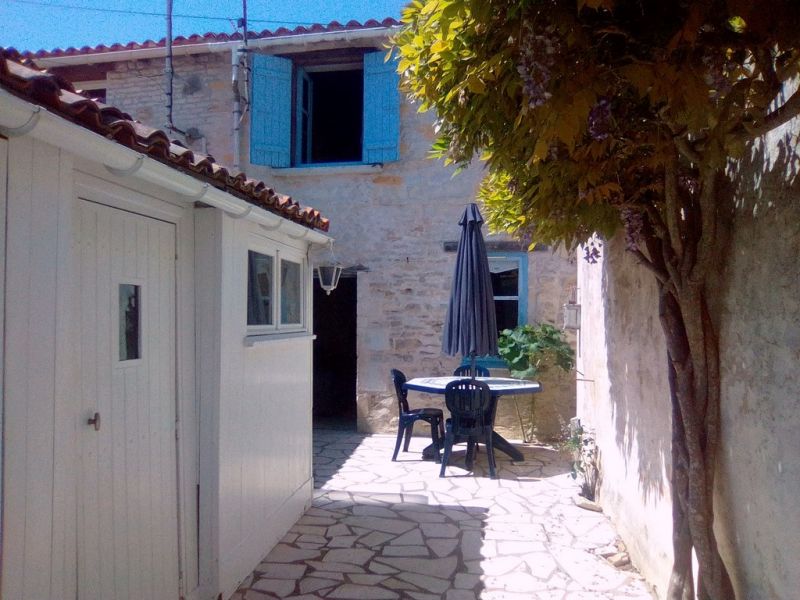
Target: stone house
(623, 393)
(155, 355)
(324, 121)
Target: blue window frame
(305, 114)
(510, 287)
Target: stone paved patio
(383, 530)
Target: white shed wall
(43, 413)
(3, 191)
(258, 409)
(39, 427)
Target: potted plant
(529, 352)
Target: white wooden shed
(156, 357)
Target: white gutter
(19, 117)
(287, 44)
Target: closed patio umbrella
(471, 328)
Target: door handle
(95, 420)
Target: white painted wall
(255, 401)
(758, 476)
(43, 407)
(40, 416)
(623, 390)
(622, 394)
(3, 190)
(249, 401)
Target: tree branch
(672, 208)
(706, 245)
(784, 113)
(662, 276)
(763, 58)
(686, 149)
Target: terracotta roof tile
(206, 38)
(21, 77)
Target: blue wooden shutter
(381, 109)
(271, 111)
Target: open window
(328, 108)
(329, 115)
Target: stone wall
(623, 392)
(391, 221)
(202, 98)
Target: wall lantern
(329, 271)
(572, 311)
(572, 316)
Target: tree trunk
(685, 244)
(695, 417)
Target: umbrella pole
(472, 365)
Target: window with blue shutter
(314, 110)
(271, 111)
(510, 288)
(328, 114)
(381, 109)
(509, 271)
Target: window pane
(291, 300)
(505, 277)
(507, 313)
(337, 116)
(129, 322)
(259, 288)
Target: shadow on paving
(332, 449)
(379, 529)
(374, 546)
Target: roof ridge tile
(201, 38)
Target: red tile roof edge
(23, 78)
(207, 38)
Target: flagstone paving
(379, 530)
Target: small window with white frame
(291, 293)
(276, 290)
(260, 289)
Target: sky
(49, 24)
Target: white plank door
(128, 505)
